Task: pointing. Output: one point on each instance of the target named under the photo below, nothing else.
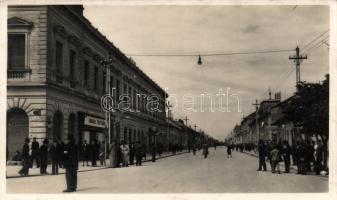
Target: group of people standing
(123, 154)
(307, 156)
(64, 155)
(92, 152)
(33, 152)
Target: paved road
(180, 174)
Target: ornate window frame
(20, 26)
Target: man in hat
(70, 163)
(25, 158)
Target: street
(179, 174)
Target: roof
(118, 53)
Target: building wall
(49, 92)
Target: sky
(185, 30)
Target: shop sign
(94, 121)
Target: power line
(320, 35)
(211, 54)
(315, 45)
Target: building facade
(55, 82)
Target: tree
(309, 107)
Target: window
(96, 77)
(130, 97)
(16, 51)
(117, 90)
(86, 72)
(59, 57)
(72, 64)
(104, 82)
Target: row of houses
(55, 81)
(267, 123)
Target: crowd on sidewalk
(307, 156)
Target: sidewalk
(12, 170)
(292, 167)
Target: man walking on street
(71, 164)
(229, 151)
(286, 151)
(153, 152)
(139, 154)
(35, 153)
(262, 156)
(25, 158)
(55, 158)
(44, 157)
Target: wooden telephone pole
(297, 60)
(256, 104)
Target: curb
(99, 168)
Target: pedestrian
(309, 155)
(93, 153)
(205, 150)
(85, 152)
(60, 151)
(275, 159)
(262, 156)
(286, 152)
(153, 152)
(318, 155)
(55, 158)
(25, 158)
(125, 150)
(229, 151)
(71, 164)
(44, 157)
(194, 149)
(35, 153)
(139, 153)
(301, 159)
(132, 153)
(101, 147)
(112, 154)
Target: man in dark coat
(44, 157)
(55, 157)
(35, 153)
(139, 153)
(132, 153)
(262, 156)
(286, 151)
(25, 159)
(85, 152)
(70, 163)
(60, 152)
(153, 152)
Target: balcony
(17, 73)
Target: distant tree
(310, 107)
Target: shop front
(91, 128)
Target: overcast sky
(218, 29)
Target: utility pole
(256, 104)
(297, 60)
(269, 94)
(107, 64)
(168, 107)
